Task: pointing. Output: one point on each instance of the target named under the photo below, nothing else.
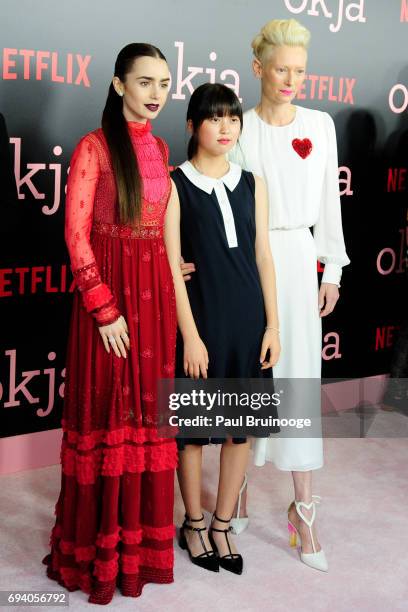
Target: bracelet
(270, 327)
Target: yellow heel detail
(292, 540)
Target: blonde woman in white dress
(294, 149)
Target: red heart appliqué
(302, 147)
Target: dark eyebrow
(146, 78)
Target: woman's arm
(82, 182)
(328, 230)
(97, 296)
(266, 269)
(195, 353)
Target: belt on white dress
(289, 229)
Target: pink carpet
(362, 527)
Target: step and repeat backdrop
(56, 64)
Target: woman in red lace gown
(114, 516)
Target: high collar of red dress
(139, 129)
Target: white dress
(299, 164)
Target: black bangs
(213, 100)
(210, 100)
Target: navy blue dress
(225, 291)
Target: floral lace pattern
(90, 208)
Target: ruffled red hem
(111, 453)
(101, 591)
(79, 567)
(110, 438)
(116, 461)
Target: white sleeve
(328, 230)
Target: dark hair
(207, 101)
(114, 126)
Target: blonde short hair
(277, 33)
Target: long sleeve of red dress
(83, 178)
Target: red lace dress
(114, 522)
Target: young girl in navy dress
(227, 315)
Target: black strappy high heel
(232, 562)
(208, 559)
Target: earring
(120, 93)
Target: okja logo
(185, 81)
(52, 201)
(24, 388)
(398, 98)
(351, 11)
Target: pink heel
(292, 535)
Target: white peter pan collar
(208, 184)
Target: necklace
(195, 165)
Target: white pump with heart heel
(316, 559)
